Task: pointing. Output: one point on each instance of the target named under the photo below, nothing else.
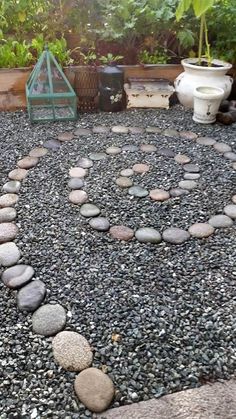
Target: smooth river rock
(72, 351)
(97, 156)
(89, 210)
(31, 296)
(52, 144)
(27, 162)
(230, 156)
(205, 141)
(140, 168)
(175, 235)
(99, 224)
(101, 129)
(201, 230)
(124, 182)
(38, 152)
(13, 186)
(222, 147)
(121, 232)
(76, 183)
(78, 197)
(77, 172)
(94, 389)
(127, 172)
(148, 235)
(9, 254)
(49, 319)
(148, 148)
(230, 210)
(65, 136)
(7, 214)
(113, 150)
(138, 191)
(8, 200)
(188, 184)
(221, 221)
(192, 176)
(17, 276)
(192, 168)
(182, 158)
(18, 174)
(85, 163)
(159, 195)
(120, 129)
(8, 232)
(82, 131)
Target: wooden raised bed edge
(12, 81)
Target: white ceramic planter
(195, 76)
(207, 100)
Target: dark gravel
(173, 306)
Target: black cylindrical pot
(111, 89)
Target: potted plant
(203, 70)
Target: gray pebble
(49, 319)
(89, 210)
(31, 296)
(76, 183)
(17, 276)
(99, 224)
(7, 214)
(9, 254)
(12, 187)
(138, 191)
(148, 235)
(188, 184)
(221, 221)
(175, 235)
(230, 210)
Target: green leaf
(201, 6)
(183, 7)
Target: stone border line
(70, 349)
(173, 235)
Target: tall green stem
(208, 53)
(201, 39)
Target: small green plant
(15, 54)
(200, 7)
(156, 57)
(57, 47)
(110, 58)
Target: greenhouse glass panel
(49, 94)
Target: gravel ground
(173, 306)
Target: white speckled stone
(72, 351)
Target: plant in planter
(201, 71)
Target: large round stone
(221, 221)
(177, 192)
(31, 296)
(205, 141)
(148, 235)
(127, 172)
(230, 156)
(166, 152)
(49, 319)
(52, 144)
(18, 174)
(97, 156)
(82, 131)
(121, 232)
(100, 129)
(85, 163)
(192, 168)
(120, 129)
(78, 197)
(8, 232)
(130, 147)
(75, 183)
(182, 158)
(159, 195)
(9, 254)
(201, 230)
(169, 132)
(72, 351)
(77, 172)
(17, 276)
(175, 235)
(136, 130)
(138, 191)
(94, 389)
(124, 182)
(188, 135)
(148, 148)
(153, 130)
(192, 176)
(188, 184)
(113, 150)
(27, 162)
(222, 147)
(12, 187)
(38, 152)
(8, 200)
(233, 199)
(140, 168)
(65, 136)
(7, 214)
(230, 210)
(99, 224)
(89, 210)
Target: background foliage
(139, 30)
